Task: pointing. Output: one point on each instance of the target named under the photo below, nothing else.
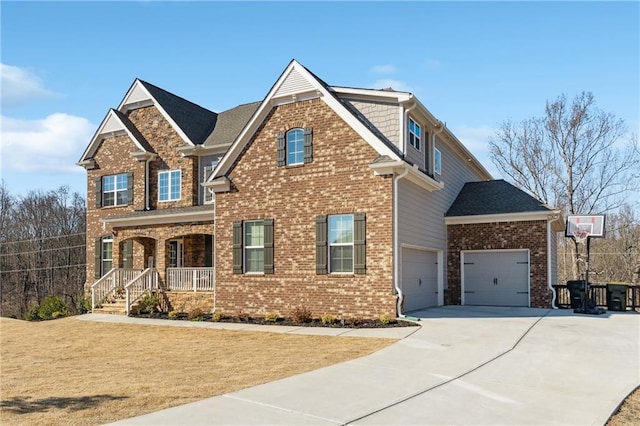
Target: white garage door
(419, 279)
(496, 278)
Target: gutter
(396, 243)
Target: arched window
(295, 147)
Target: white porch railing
(191, 279)
(134, 289)
(113, 280)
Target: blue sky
(472, 64)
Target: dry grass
(80, 372)
(629, 414)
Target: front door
(176, 254)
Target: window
(169, 185)
(340, 244)
(415, 134)
(253, 246)
(103, 255)
(437, 161)
(114, 190)
(176, 254)
(294, 147)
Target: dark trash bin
(617, 296)
(576, 293)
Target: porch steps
(118, 307)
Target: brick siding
(530, 235)
(338, 181)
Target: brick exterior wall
(185, 301)
(112, 157)
(338, 181)
(530, 235)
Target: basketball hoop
(580, 235)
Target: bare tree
(575, 157)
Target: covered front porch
(159, 260)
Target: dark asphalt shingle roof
(195, 121)
(493, 197)
(134, 131)
(230, 123)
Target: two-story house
(354, 202)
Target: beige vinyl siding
(294, 83)
(421, 213)
(205, 161)
(384, 116)
(413, 155)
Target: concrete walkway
(464, 366)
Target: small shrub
(300, 315)
(196, 314)
(32, 314)
(218, 316)
(174, 314)
(243, 316)
(148, 304)
(83, 305)
(271, 317)
(327, 319)
(51, 305)
(386, 319)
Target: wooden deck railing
(190, 279)
(145, 282)
(598, 295)
(111, 282)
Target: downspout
(405, 126)
(549, 284)
(396, 243)
(213, 249)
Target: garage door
(419, 279)
(496, 278)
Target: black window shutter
(321, 245)
(98, 257)
(268, 246)
(280, 149)
(99, 192)
(237, 247)
(308, 145)
(129, 188)
(359, 243)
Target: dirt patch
(629, 413)
(82, 372)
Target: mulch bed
(348, 323)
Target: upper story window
(114, 190)
(294, 147)
(415, 134)
(169, 185)
(437, 161)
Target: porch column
(161, 260)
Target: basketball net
(580, 235)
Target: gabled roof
(230, 123)
(115, 123)
(195, 121)
(297, 83)
(493, 197)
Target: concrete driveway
(466, 366)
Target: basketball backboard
(580, 227)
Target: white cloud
(52, 144)
(383, 69)
(394, 84)
(20, 85)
